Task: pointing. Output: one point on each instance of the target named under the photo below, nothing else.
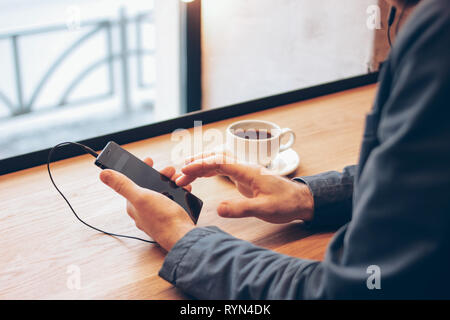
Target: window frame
(190, 15)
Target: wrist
(305, 202)
(173, 235)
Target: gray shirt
(393, 208)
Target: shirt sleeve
(333, 194)
(208, 263)
(397, 243)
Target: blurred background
(71, 70)
(77, 69)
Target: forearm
(210, 264)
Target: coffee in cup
(257, 141)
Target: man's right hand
(269, 197)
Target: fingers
(201, 167)
(187, 186)
(149, 161)
(204, 155)
(218, 164)
(121, 184)
(185, 180)
(241, 208)
(169, 172)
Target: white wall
(257, 48)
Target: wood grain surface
(43, 247)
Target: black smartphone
(116, 158)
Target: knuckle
(250, 207)
(119, 186)
(246, 211)
(140, 201)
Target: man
(393, 207)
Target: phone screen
(116, 158)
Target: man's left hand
(161, 218)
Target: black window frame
(191, 101)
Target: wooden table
(44, 248)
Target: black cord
(389, 36)
(93, 153)
(391, 19)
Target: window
(74, 70)
(259, 48)
(125, 70)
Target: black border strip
(187, 121)
(190, 57)
(193, 47)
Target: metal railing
(23, 105)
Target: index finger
(203, 155)
(218, 165)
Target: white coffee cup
(257, 141)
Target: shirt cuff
(169, 269)
(332, 206)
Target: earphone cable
(93, 153)
(391, 19)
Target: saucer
(284, 164)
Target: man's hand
(155, 214)
(269, 197)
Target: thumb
(240, 208)
(120, 184)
